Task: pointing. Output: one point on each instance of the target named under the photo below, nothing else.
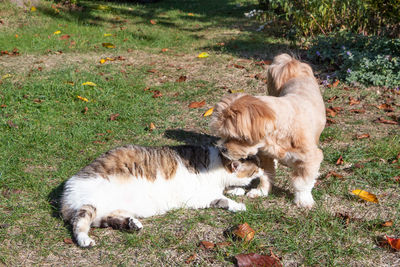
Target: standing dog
(285, 126)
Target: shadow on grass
(190, 137)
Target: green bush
(312, 17)
(359, 59)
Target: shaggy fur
(285, 126)
(133, 182)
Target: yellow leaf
(108, 45)
(190, 14)
(203, 55)
(102, 7)
(365, 195)
(208, 112)
(33, 9)
(6, 76)
(152, 126)
(57, 32)
(110, 58)
(236, 91)
(102, 61)
(89, 84)
(107, 34)
(82, 98)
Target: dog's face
(236, 149)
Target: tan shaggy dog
(285, 126)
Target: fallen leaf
(221, 44)
(365, 195)
(191, 258)
(207, 244)
(153, 22)
(164, 50)
(353, 101)
(70, 82)
(57, 32)
(107, 34)
(238, 66)
(64, 37)
(358, 111)
(85, 110)
(152, 126)
(344, 216)
(263, 62)
(387, 224)
(256, 260)
(12, 125)
(197, 104)
(89, 83)
(103, 60)
(362, 136)
(336, 109)
(3, 106)
(330, 121)
(386, 107)
(332, 99)
(68, 241)
(156, 94)
(232, 91)
(382, 120)
(108, 45)
(82, 98)
(208, 112)
(37, 100)
(339, 161)
(393, 242)
(6, 76)
(335, 83)
(113, 117)
(330, 112)
(203, 55)
(397, 179)
(244, 232)
(335, 174)
(190, 14)
(16, 36)
(33, 9)
(152, 70)
(102, 7)
(181, 79)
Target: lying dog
(285, 126)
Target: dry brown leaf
(362, 136)
(207, 245)
(191, 258)
(358, 111)
(335, 174)
(164, 50)
(330, 112)
(332, 99)
(382, 120)
(256, 260)
(387, 224)
(394, 242)
(181, 79)
(386, 107)
(336, 109)
(65, 37)
(330, 121)
(353, 101)
(85, 110)
(397, 179)
(238, 66)
(197, 104)
(244, 232)
(152, 126)
(152, 70)
(68, 241)
(3, 106)
(156, 94)
(339, 161)
(335, 83)
(113, 117)
(263, 62)
(153, 22)
(223, 244)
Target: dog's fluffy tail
(283, 68)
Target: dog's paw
(304, 200)
(236, 191)
(134, 224)
(235, 207)
(255, 192)
(84, 240)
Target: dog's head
(242, 121)
(282, 69)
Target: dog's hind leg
(305, 175)
(263, 189)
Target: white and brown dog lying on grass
(285, 126)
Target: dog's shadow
(194, 138)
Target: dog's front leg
(263, 189)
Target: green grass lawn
(48, 134)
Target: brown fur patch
(244, 117)
(146, 162)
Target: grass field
(48, 134)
